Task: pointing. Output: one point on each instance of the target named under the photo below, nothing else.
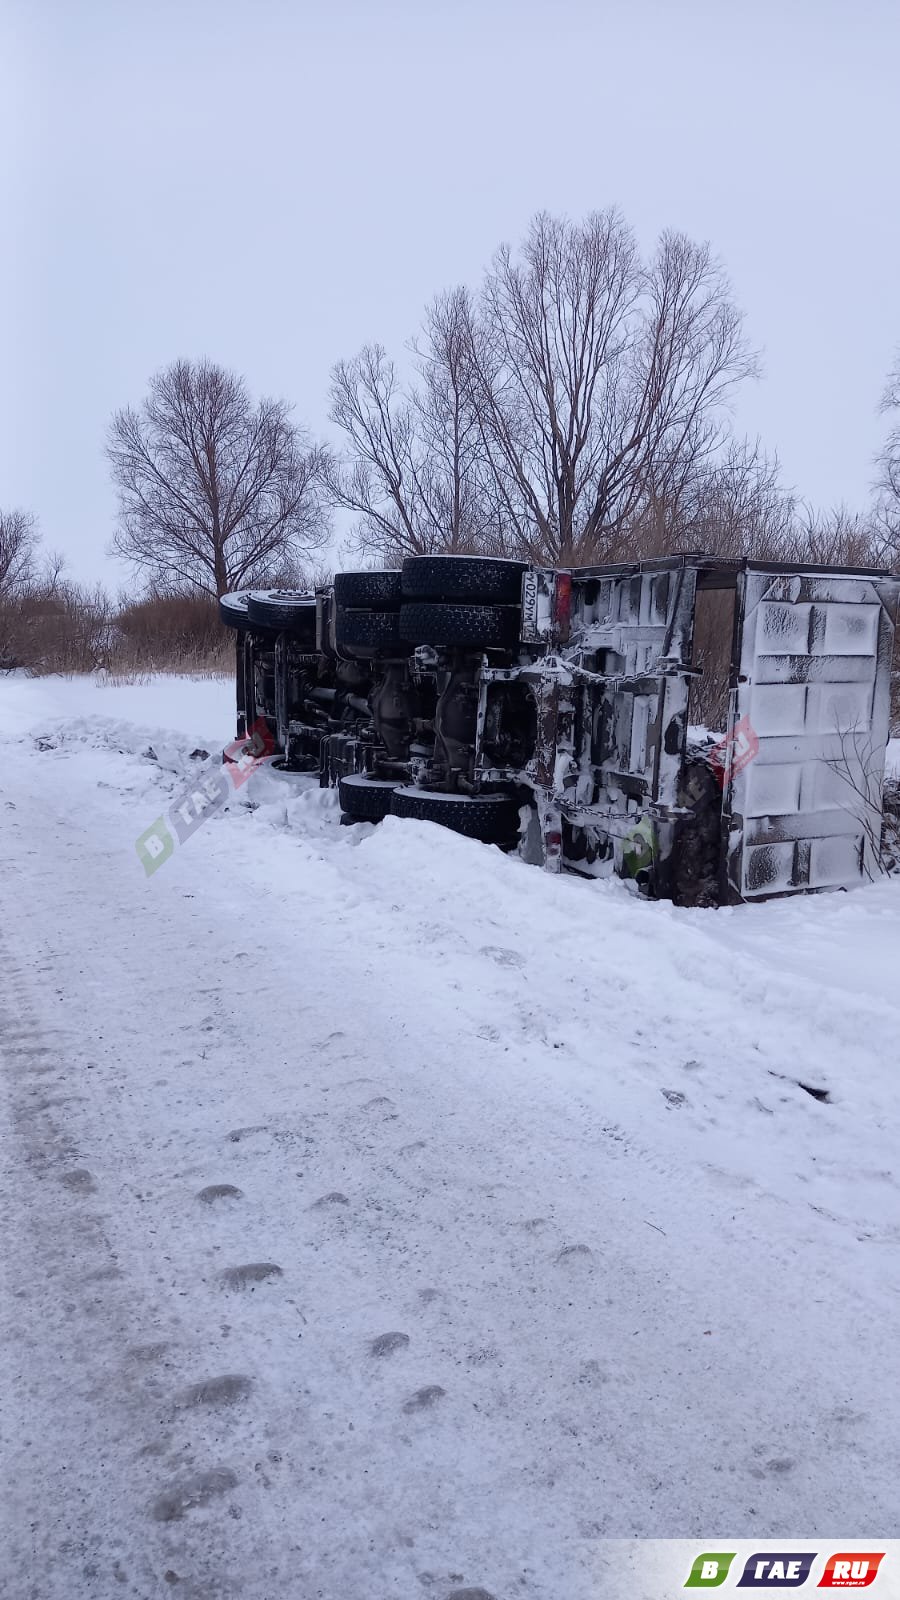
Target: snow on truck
(547, 711)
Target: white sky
(271, 184)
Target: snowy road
(551, 1139)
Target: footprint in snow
(379, 1102)
(222, 1391)
(329, 1040)
(196, 1490)
(424, 1398)
(387, 1343)
(592, 1373)
(80, 1181)
(334, 1198)
(503, 958)
(145, 1353)
(219, 1191)
(571, 1253)
(252, 1273)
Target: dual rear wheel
(455, 602)
(492, 818)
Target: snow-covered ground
(535, 1239)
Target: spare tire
(233, 609)
(492, 818)
(371, 591)
(365, 798)
(474, 627)
(376, 632)
(478, 578)
(287, 611)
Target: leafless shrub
(890, 838)
(170, 632)
(61, 626)
(860, 767)
(839, 537)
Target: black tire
(233, 609)
(492, 818)
(368, 799)
(368, 591)
(371, 631)
(286, 611)
(475, 627)
(479, 578)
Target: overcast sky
(273, 183)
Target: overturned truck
(548, 711)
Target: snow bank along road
(386, 1218)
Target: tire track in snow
(107, 1453)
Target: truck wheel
(286, 611)
(365, 799)
(479, 578)
(481, 627)
(376, 632)
(368, 591)
(492, 818)
(233, 609)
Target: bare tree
(598, 382)
(416, 473)
(30, 584)
(19, 541)
(214, 490)
(548, 411)
(888, 466)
